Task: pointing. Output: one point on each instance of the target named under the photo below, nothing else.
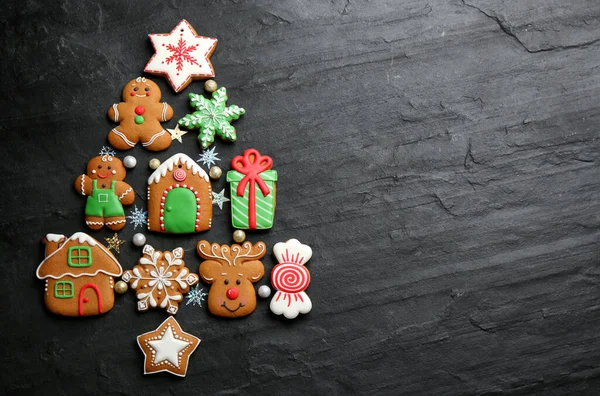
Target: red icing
(179, 175)
(85, 299)
(139, 110)
(251, 164)
(147, 93)
(132, 93)
(232, 293)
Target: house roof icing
(169, 165)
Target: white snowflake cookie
(160, 279)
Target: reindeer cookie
(140, 115)
(231, 271)
(106, 191)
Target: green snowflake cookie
(212, 116)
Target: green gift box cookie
(252, 190)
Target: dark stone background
(441, 158)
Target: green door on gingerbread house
(180, 211)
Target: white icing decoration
(171, 163)
(164, 111)
(116, 111)
(154, 137)
(81, 238)
(125, 193)
(55, 237)
(122, 136)
(297, 252)
(162, 278)
(280, 304)
(188, 70)
(168, 348)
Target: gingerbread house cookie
(179, 197)
(79, 273)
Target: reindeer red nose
(232, 293)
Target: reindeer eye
(237, 282)
(226, 281)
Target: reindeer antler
(233, 255)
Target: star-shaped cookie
(168, 348)
(176, 133)
(114, 243)
(181, 56)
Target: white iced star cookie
(168, 348)
(181, 56)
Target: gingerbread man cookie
(140, 115)
(106, 191)
(231, 271)
(160, 279)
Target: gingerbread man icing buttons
(182, 56)
(160, 279)
(290, 278)
(231, 272)
(179, 197)
(106, 192)
(79, 273)
(140, 116)
(168, 348)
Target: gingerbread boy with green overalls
(106, 191)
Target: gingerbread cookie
(79, 274)
(181, 56)
(160, 279)
(252, 191)
(290, 278)
(168, 348)
(179, 197)
(212, 117)
(140, 114)
(106, 191)
(231, 271)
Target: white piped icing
(83, 237)
(292, 251)
(54, 237)
(169, 165)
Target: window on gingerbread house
(80, 256)
(64, 289)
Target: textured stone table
(440, 157)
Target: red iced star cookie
(168, 348)
(182, 56)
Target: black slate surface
(440, 157)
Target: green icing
(139, 119)
(265, 206)
(80, 256)
(212, 116)
(180, 211)
(64, 289)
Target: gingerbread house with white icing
(79, 273)
(179, 197)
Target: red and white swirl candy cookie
(290, 278)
